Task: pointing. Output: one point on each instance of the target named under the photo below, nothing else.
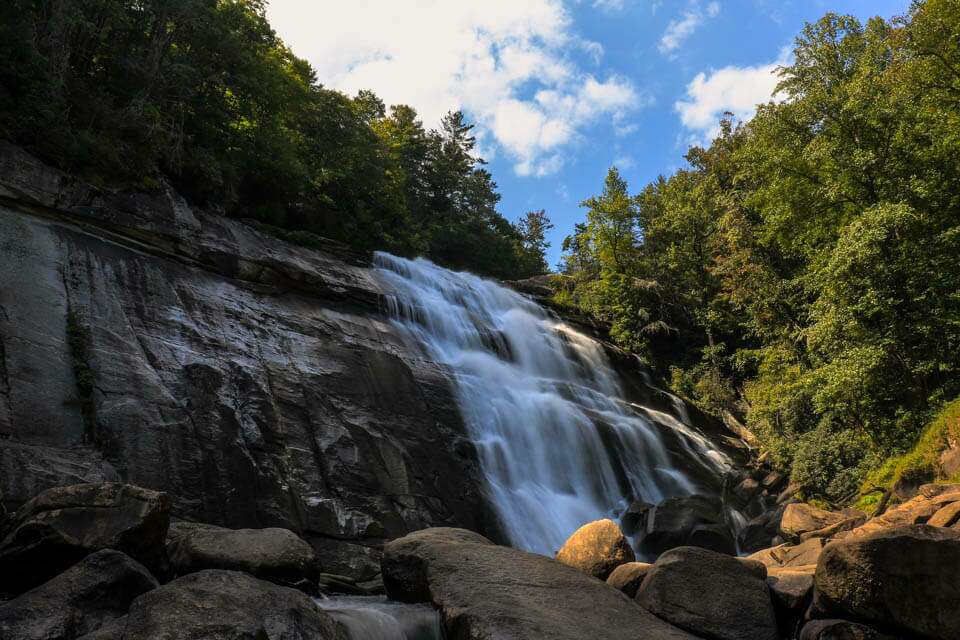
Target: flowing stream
(558, 442)
(375, 618)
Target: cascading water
(375, 618)
(558, 443)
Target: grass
(920, 464)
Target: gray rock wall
(256, 381)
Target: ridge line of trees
(203, 92)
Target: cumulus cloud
(681, 29)
(507, 63)
(735, 89)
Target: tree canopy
(203, 92)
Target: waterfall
(557, 441)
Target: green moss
(77, 338)
(920, 464)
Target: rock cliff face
(258, 382)
(255, 381)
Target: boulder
(627, 577)
(903, 579)
(773, 480)
(276, 555)
(687, 521)
(709, 594)
(946, 516)
(830, 531)
(634, 518)
(800, 518)
(791, 555)
(488, 591)
(747, 488)
(56, 529)
(930, 498)
(791, 587)
(93, 592)
(596, 548)
(760, 531)
(840, 630)
(225, 605)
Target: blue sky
(562, 90)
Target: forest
(801, 274)
(204, 94)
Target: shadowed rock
(903, 578)
(276, 555)
(840, 630)
(62, 525)
(225, 605)
(709, 594)
(90, 594)
(627, 577)
(687, 520)
(489, 591)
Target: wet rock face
(255, 382)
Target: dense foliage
(803, 272)
(203, 92)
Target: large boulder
(488, 591)
(60, 526)
(225, 605)
(903, 579)
(93, 592)
(840, 630)
(276, 555)
(687, 520)
(596, 548)
(627, 577)
(709, 594)
(800, 518)
(791, 587)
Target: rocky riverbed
(104, 561)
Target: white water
(557, 442)
(374, 618)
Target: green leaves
(807, 261)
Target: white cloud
(735, 89)
(608, 5)
(679, 30)
(507, 63)
(624, 162)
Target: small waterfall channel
(375, 618)
(557, 441)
